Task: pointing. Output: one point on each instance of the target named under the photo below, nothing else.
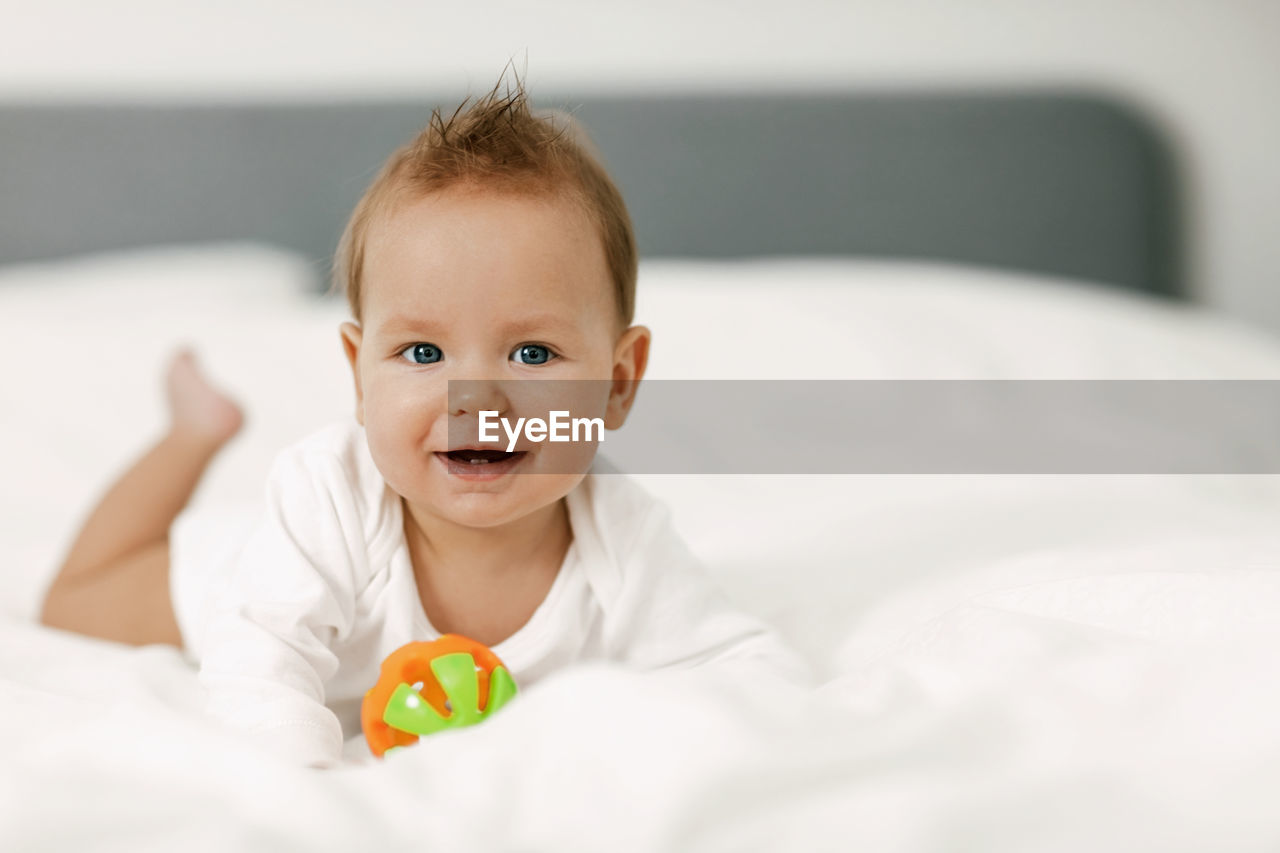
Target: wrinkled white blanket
(1125, 700)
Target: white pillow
(846, 319)
(198, 276)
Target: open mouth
(473, 463)
(480, 457)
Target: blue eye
(422, 353)
(532, 354)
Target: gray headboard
(1067, 184)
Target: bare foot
(196, 408)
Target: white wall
(1207, 70)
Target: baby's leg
(114, 583)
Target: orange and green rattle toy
(430, 686)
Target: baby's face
(469, 284)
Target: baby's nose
(472, 396)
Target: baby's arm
(267, 653)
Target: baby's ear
(351, 338)
(630, 358)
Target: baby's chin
(523, 495)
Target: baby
(495, 247)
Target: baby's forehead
(567, 304)
(511, 252)
(544, 218)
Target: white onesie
(291, 619)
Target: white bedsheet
(1038, 663)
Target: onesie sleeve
(268, 651)
(671, 613)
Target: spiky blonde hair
(496, 143)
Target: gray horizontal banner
(876, 427)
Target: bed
(1007, 662)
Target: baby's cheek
(409, 405)
(389, 429)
